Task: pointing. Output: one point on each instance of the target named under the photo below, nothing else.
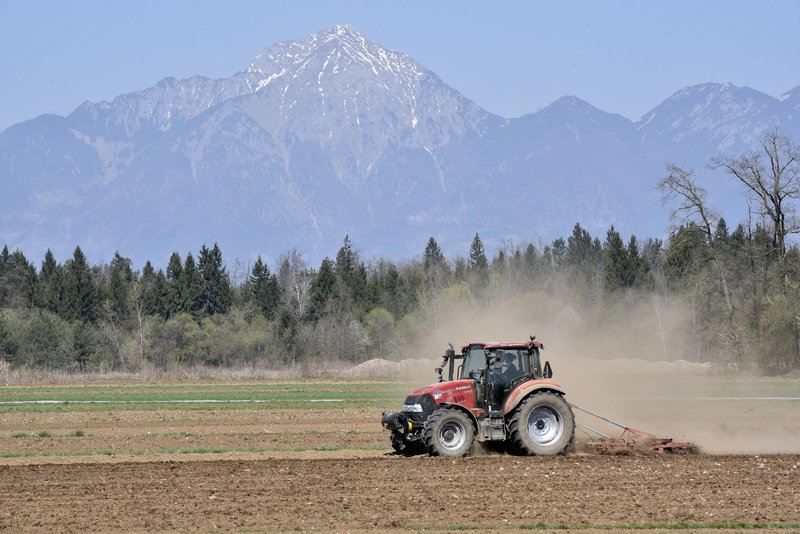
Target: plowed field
(483, 493)
(326, 467)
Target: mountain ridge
(333, 134)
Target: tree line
(736, 291)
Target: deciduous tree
(771, 176)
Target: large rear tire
(448, 432)
(542, 425)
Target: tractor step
(493, 428)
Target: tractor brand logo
(437, 394)
(462, 387)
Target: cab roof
(495, 345)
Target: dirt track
(398, 493)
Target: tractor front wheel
(542, 425)
(448, 432)
(405, 447)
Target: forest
(727, 295)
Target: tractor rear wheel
(542, 425)
(448, 432)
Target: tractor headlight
(415, 408)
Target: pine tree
(433, 257)
(175, 286)
(390, 288)
(616, 264)
(531, 262)
(358, 290)
(345, 260)
(191, 288)
(477, 256)
(637, 269)
(216, 294)
(4, 289)
(477, 265)
(581, 249)
(351, 287)
(160, 299)
(8, 342)
(3, 285)
(264, 289)
(120, 278)
(721, 232)
(322, 291)
(82, 301)
(150, 296)
(52, 288)
(558, 252)
(437, 271)
(18, 280)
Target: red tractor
(495, 393)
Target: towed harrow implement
(630, 438)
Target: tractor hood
(461, 392)
(441, 389)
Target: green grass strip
(285, 396)
(249, 388)
(67, 407)
(201, 395)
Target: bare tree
(136, 300)
(771, 176)
(111, 331)
(679, 183)
(295, 280)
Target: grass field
(200, 396)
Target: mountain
(712, 118)
(334, 134)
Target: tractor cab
(497, 368)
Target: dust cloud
(622, 365)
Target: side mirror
(438, 371)
(548, 371)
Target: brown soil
(328, 469)
(158, 430)
(344, 494)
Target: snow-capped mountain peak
(336, 82)
(332, 51)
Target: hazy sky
(511, 58)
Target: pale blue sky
(510, 57)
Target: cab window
(474, 360)
(511, 365)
